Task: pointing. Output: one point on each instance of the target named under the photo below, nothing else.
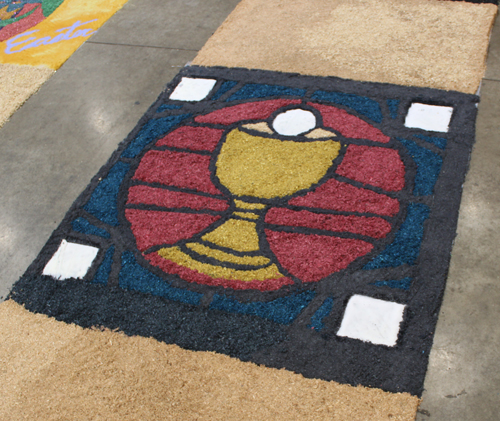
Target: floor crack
(463, 392)
(139, 45)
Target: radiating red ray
(24, 24)
(379, 167)
(313, 257)
(369, 226)
(172, 199)
(179, 169)
(194, 138)
(152, 228)
(349, 125)
(259, 110)
(335, 195)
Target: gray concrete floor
(463, 378)
(53, 145)
(58, 140)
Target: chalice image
(257, 165)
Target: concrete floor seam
(142, 46)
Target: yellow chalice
(257, 167)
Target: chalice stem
(238, 236)
(232, 250)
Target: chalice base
(230, 251)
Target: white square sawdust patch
(372, 320)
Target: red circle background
(176, 180)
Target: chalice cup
(258, 164)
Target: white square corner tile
(192, 89)
(372, 320)
(435, 118)
(71, 260)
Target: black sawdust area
(246, 337)
(133, 313)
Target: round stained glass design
(265, 194)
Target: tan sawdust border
(17, 84)
(51, 370)
(425, 43)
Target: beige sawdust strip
(50, 370)
(17, 84)
(429, 43)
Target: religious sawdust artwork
(46, 32)
(17, 16)
(297, 222)
(37, 37)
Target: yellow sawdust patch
(226, 257)
(175, 255)
(247, 215)
(55, 39)
(247, 205)
(5, 14)
(267, 168)
(235, 234)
